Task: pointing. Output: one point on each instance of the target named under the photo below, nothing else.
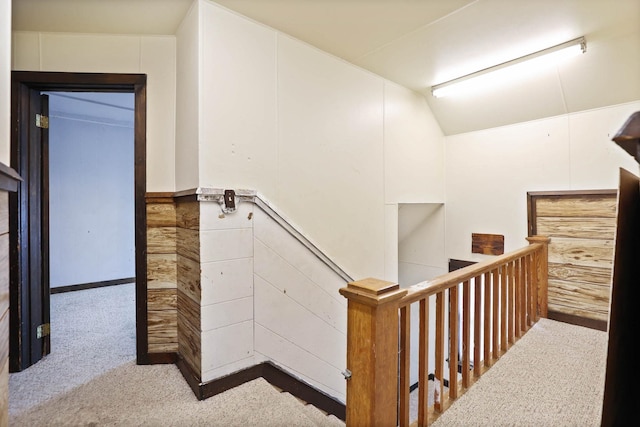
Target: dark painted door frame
(24, 348)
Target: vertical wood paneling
(188, 283)
(162, 320)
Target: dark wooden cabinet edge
(9, 178)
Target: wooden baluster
(439, 370)
(526, 292)
(372, 352)
(520, 306)
(453, 342)
(466, 334)
(477, 319)
(511, 303)
(487, 319)
(423, 365)
(534, 289)
(405, 364)
(496, 310)
(531, 299)
(503, 308)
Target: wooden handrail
(440, 283)
(509, 296)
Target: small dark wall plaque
(487, 244)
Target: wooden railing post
(372, 352)
(542, 273)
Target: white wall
(488, 173)
(187, 100)
(5, 81)
(300, 319)
(227, 290)
(91, 206)
(266, 296)
(316, 135)
(420, 242)
(151, 55)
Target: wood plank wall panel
(581, 225)
(162, 284)
(189, 284)
(4, 308)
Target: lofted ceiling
(419, 43)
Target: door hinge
(42, 121)
(43, 330)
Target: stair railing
(480, 311)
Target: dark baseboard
(158, 359)
(599, 325)
(273, 375)
(300, 389)
(93, 285)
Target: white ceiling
(419, 43)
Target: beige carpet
(91, 379)
(133, 395)
(553, 376)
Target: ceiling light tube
(554, 53)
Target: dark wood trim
(190, 377)
(140, 188)
(25, 81)
(220, 385)
(621, 393)
(304, 391)
(600, 325)
(92, 285)
(273, 375)
(162, 358)
(571, 193)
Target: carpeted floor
(553, 376)
(91, 378)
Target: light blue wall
(91, 173)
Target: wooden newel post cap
(538, 239)
(373, 291)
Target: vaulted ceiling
(419, 43)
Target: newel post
(372, 352)
(542, 273)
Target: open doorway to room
(91, 237)
(78, 139)
(91, 245)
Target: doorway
(91, 203)
(29, 272)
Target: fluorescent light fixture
(519, 66)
